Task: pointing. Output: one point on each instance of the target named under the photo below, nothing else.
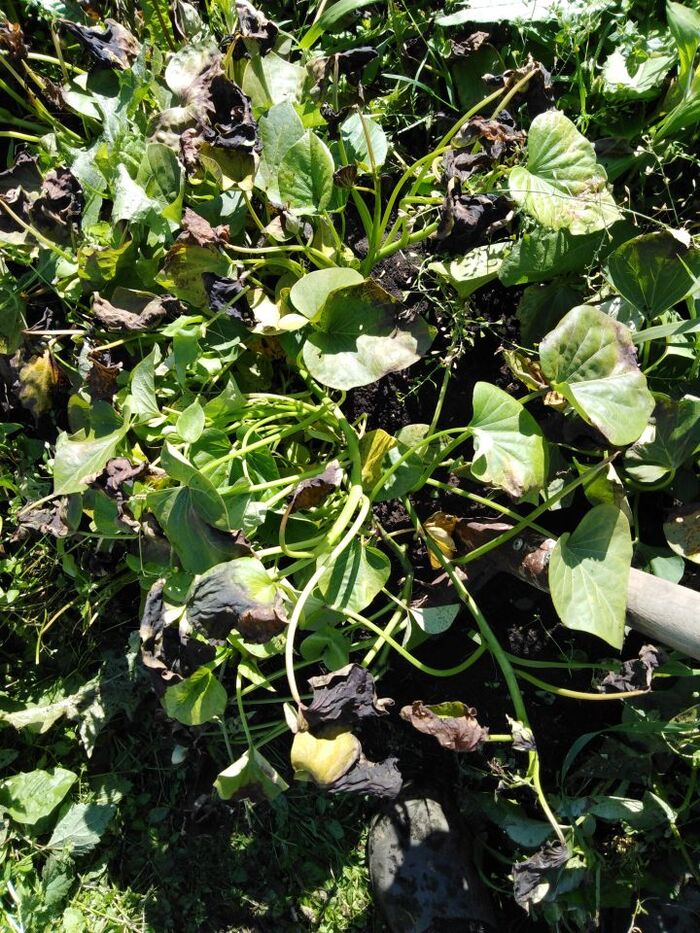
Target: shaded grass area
(174, 857)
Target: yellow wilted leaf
(38, 379)
(326, 758)
(440, 526)
(373, 448)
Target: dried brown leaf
(453, 724)
(312, 492)
(199, 232)
(635, 674)
(128, 311)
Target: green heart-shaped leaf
(196, 700)
(509, 449)
(355, 578)
(359, 340)
(279, 129)
(588, 574)
(654, 272)
(590, 360)
(306, 175)
(562, 186)
(673, 438)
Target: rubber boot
(421, 870)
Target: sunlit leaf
(590, 360)
(477, 268)
(305, 175)
(30, 796)
(509, 449)
(251, 776)
(197, 699)
(562, 186)
(359, 339)
(81, 456)
(588, 574)
(355, 578)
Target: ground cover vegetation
(310, 315)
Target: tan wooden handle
(664, 611)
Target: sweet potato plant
(234, 240)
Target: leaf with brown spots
(198, 231)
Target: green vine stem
(577, 694)
(241, 710)
(356, 501)
(407, 656)
(499, 655)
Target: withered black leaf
(497, 137)
(461, 165)
(224, 112)
(23, 174)
(345, 177)
(224, 294)
(376, 778)
(348, 64)
(537, 94)
(131, 310)
(453, 724)
(346, 696)
(466, 219)
(55, 519)
(168, 655)
(114, 46)
(529, 874)
(218, 603)
(253, 26)
(102, 377)
(16, 203)
(58, 209)
(635, 674)
(352, 62)
(312, 492)
(333, 118)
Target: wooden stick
(664, 611)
